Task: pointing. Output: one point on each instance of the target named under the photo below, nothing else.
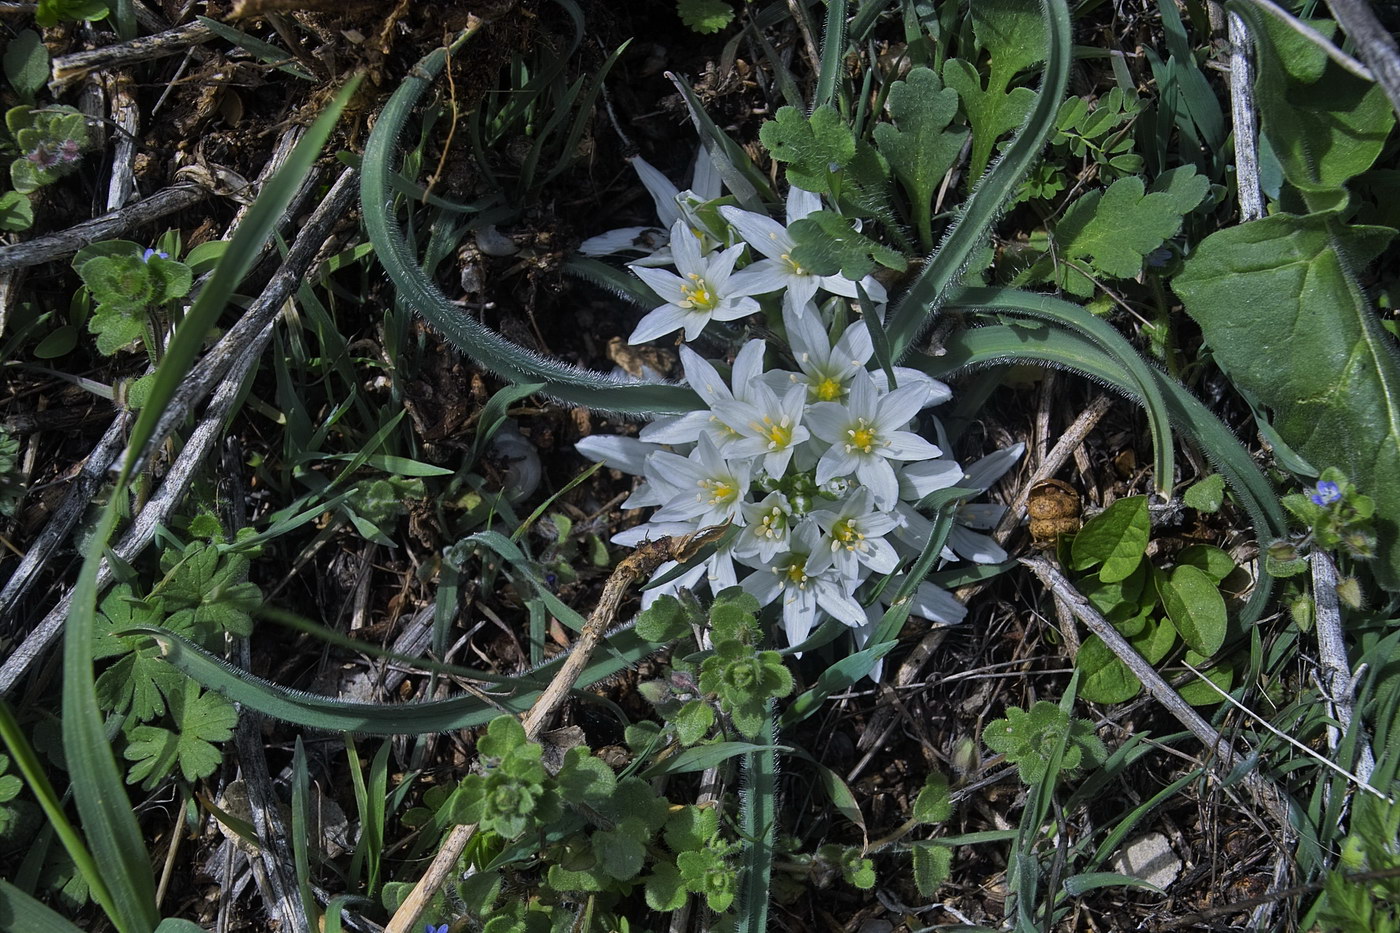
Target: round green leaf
(1194, 604)
(1116, 537)
(1105, 678)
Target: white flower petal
(624, 239)
(660, 322)
(662, 191)
(982, 474)
(937, 605)
(917, 480)
(800, 203)
(621, 453)
(975, 547)
(667, 285)
(761, 232)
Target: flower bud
(1349, 593)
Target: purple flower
(42, 158)
(435, 929)
(146, 256)
(1327, 493)
(70, 150)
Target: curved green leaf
(1075, 318)
(1003, 343)
(417, 291)
(618, 652)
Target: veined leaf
(918, 145)
(1277, 303)
(1115, 229)
(1324, 124)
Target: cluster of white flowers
(817, 467)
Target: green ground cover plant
(724, 480)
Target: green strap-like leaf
(1073, 317)
(758, 825)
(416, 290)
(617, 653)
(19, 911)
(985, 346)
(913, 312)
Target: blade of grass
(833, 51)
(19, 911)
(301, 841)
(29, 766)
(758, 827)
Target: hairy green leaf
(827, 244)
(705, 16)
(809, 145)
(932, 865)
(1277, 301)
(1206, 495)
(918, 145)
(1114, 230)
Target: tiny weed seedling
(51, 142)
(132, 289)
(1155, 609)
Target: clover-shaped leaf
(206, 589)
(1114, 230)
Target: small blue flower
(146, 256)
(1327, 493)
(436, 929)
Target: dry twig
(639, 564)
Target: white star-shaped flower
(865, 434)
(779, 270)
(805, 594)
(706, 289)
(853, 534)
